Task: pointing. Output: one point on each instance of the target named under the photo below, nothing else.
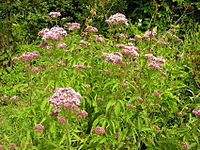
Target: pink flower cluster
(155, 62)
(161, 42)
(55, 14)
(196, 112)
(62, 45)
(81, 66)
(115, 58)
(128, 50)
(73, 26)
(82, 42)
(186, 145)
(147, 34)
(39, 127)
(100, 39)
(55, 33)
(65, 97)
(91, 29)
(28, 56)
(81, 114)
(116, 19)
(99, 130)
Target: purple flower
(115, 58)
(65, 96)
(5, 98)
(39, 127)
(117, 19)
(186, 145)
(14, 98)
(81, 114)
(62, 45)
(82, 42)
(99, 130)
(35, 70)
(61, 120)
(91, 29)
(156, 127)
(73, 26)
(196, 112)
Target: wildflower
(140, 99)
(162, 42)
(99, 130)
(73, 26)
(156, 127)
(131, 106)
(115, 58)
(164, 74)
(61, 120)
(196, 112)
(55, 33)
(124, 85)
(55, 14)
(138, 37)
(35, 70)
(81, 114)
(149, 34)
(14, 98)
(100, 39)
(65, 96)
(87, 86)
(156, 94)
(39, 127)
(89, 67)
(24, 90)
(78, 66)
(61, 63)
(28, 56)
(2, 147)
(138, 69)
(117, 19)
(186, 108)
(155, 65)
(180, 114)
(62, 45)
(70, 105)
(54, 113)
(186, 145)
(91, 29)
(130, 51)
(43, 65)
(5, 98)
(120, 45)
(82, 42)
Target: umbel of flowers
(117, 19)
(65, 97)
(55, 33)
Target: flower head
(54, 14)
(99, 130)
(65, 96)
(39, 127)
(117, 18)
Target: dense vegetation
(105, 75)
